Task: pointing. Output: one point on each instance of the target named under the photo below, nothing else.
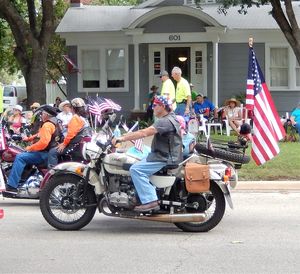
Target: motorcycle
(32, 176)
(71, 192)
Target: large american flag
(267, 127)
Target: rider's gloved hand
(116, 141)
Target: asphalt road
(261, 235)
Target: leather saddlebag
(196, 178)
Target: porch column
(136, 77)
(215, 73)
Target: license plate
(6, 101)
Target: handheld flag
(267, 127)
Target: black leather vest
(56, 136)
(167, 147)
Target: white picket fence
(53, 91)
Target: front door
(166, 56)
(179, 57)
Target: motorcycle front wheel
(64, 204)
(211, 203)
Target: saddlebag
(196, 178)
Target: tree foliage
(282, 12)
(27, 29)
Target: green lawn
(285, 166)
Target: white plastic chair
(202, 127)
(229, 128)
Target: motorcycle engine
(31, 186)
(121, 192)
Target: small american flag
(267, 127)
(137, 143)
(96, 107)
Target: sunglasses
(155, 105)
(34, 108)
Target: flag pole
(251, 42)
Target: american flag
(267, 128)
(96, 107)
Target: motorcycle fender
(226, 192)
(67, 167)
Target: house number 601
(174, 37)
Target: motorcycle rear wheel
(216, 205)
(62, 208)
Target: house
(120, 50)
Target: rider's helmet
(78, 103)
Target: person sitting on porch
(233, 113)
(205, 107)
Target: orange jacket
(74, 126)
(45, 133)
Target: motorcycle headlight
(91, 151)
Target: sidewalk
(268, 185)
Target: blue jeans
(180, 109)
(297, 126)
(52, 157)
(23, 159)
(140, 173)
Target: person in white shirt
(65, 115)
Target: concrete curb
(268, 185)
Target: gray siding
(233, 68)
(285, 101)
(209, 71)
(144, 74)
(171, 3)
(174, 23)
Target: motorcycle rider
(166, 149)
(37, 153)
(78, 127)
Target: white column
(136, 78)
(215, 73)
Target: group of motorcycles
(71, 192)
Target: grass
(285, 166)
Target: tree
(284, 16)
(30, 25)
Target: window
(156, 62)
(279, 67)
(103, 69)
(90, 69)
(198, 62)
(115, 68)
(297, 74)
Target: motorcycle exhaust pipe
(169, 218)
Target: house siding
(233, 68)
(174, 23)
(72, 78)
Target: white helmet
(78, 102)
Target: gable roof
(117, 18)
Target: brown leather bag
(197, 178)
